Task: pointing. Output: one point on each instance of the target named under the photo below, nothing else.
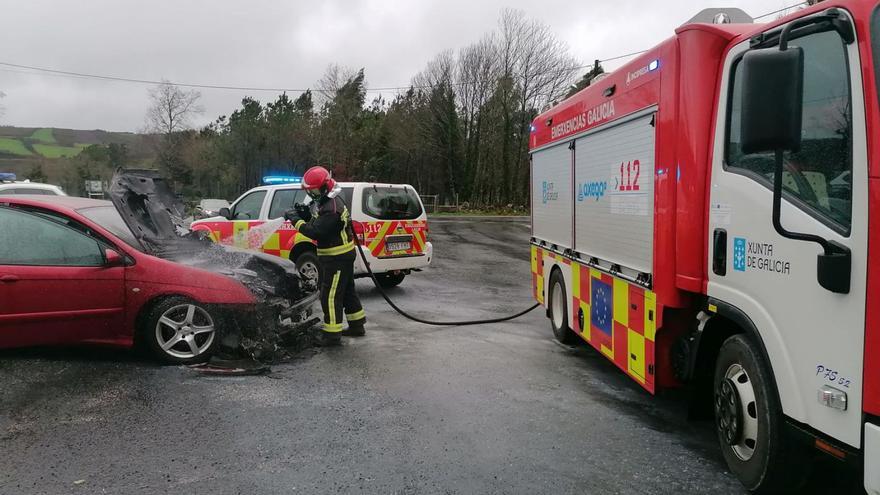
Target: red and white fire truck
(706, 214)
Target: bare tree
(478, 70)
(334, 78)
(172, 109)
(539, 70)
(441, 129)
(169, 115)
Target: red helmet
(317, 181)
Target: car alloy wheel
(185, 331)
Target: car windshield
(108, 217)
(392, 203)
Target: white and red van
(389, 220)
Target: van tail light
(426, 231)
(358, 231)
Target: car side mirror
(112, 258)
(772, 99)
(225, 213)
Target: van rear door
(395, 224)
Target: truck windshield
(108, 217)
(392, 203)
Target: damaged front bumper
(281, 320)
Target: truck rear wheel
(559, 309)
(749, 422)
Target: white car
(389, 220)
(27, 187)
(210, 208)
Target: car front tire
(179, 330)
(308, 267)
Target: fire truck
(704, 217)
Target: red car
(74, 270)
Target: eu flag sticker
(739, 254)
(600, 310)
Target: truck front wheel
(749, 422)
(559, 309)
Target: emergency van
(705, 216)
(389, 220)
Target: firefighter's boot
(327, 339)
(355, 329)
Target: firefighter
(328, 222)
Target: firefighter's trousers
(338, 297)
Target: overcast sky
(280, 43)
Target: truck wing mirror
(772, 111)
(225, 213)
(772, 99)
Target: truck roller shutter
(551, 195)
(614, 194)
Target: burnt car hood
(152, 211)
(155, 216)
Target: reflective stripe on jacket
(330, 228)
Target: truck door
(813, 338)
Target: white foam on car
(257, 236)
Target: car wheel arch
(301, 247)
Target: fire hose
(422, 320)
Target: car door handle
(8, 279)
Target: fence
(433, 205)
(430, 202)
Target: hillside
(17, 143)
(53, 153)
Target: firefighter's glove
(291, 216)
(303, 211)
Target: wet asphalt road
(408, 409)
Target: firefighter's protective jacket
(329, 227)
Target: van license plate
(397, 246)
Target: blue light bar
(654, 65)
(282, 179)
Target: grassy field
(55, 151)
(44, 136)
(51, 149)
(40, 142)
(13, 146)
